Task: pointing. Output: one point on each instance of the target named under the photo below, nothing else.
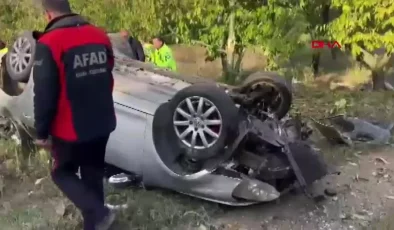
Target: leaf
(341, 103)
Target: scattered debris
(39, 181)
(117, 207)
(357, 178)
(381, 160)
(331, 134)
(330, 192)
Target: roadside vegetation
(280, 30)
(224, 40)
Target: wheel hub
(198, 123)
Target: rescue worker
(162, 55)
(136, 46)
(3, 48)
(3, 52)
(73, 105)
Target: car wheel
(20, 57)
(276, 92)
(204, 120)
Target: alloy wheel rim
(197, 122)
(20, 55)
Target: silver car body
(139, 90)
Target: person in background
(3, 49)
(162, 55)
(73, 107)
(3, 52)
(135, 45)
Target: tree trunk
(315, 63)
(378, 80)
(229, 74)
(225, 67)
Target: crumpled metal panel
(345, 130)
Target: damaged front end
(271, 159)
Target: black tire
(228, 114)
(8, 85)
(24, 75)
(279, 83)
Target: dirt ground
(365, 193)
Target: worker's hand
(45, 144)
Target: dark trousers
(87, 192)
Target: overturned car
(188, 134)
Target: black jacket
(137, 48)
(73, 81)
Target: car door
(126, 143)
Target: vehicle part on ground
(332, 135)
(264, 92)
(20, 58)
(348, 129)
(123, 180)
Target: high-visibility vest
(3, 51)
(160, 57)
(163, 58)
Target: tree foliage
(367, 28)
(227, 27)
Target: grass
(147, 210)
(26, 204)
